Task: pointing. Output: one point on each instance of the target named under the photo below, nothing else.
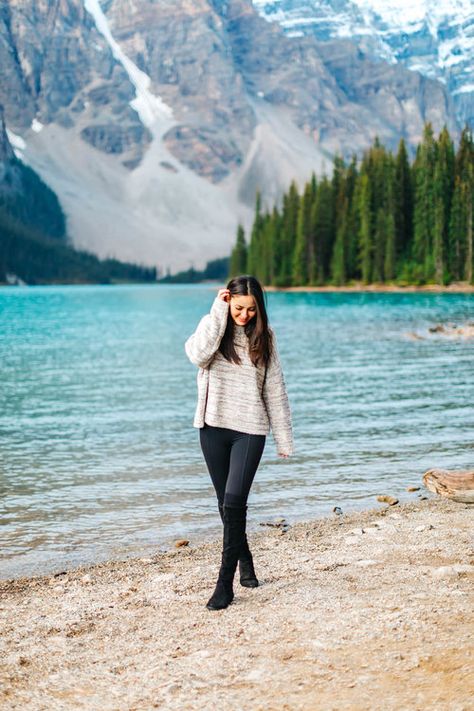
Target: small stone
(146, 560)
(449, 571)
(386, 499)
(86, 579)
(181, 543)
(356, 531)
(365, 563)
(278, 523)
(337, 510)
(413, 488)
(351, 541)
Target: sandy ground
(371, 610)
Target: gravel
(370, 610)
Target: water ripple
(98, 454)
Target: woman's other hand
(224, 295)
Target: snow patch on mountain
(433, 37)
(17, 143)
(409, 15)
(152, 110)
(36, 125)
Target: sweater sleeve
(277, 404)
(204, 342)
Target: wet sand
(371, 610)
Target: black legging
(232, 459)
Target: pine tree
(464, 170)
(379, 246)
(403, 202)
(352, 222)
(469, 266)
(457, 230)
(438, 226)
(254, 249)
(288, 234)
(365, 232)
(301, 254)
(338, 263)
(390, 247)
(274, 238)
(238, 258)
(321, 229)
(424, 219)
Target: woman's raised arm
(204, 342)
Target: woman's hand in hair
(224, 295)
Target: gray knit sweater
(230, 394)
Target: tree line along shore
(386, 220)
(34, 244)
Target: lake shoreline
(350, 607)
(379, 289)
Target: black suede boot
(247, 572)
(234, 531)
(248, 579)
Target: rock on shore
(363, 611)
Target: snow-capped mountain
(434, 37)
(156, 122)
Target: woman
(241, 394)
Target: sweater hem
(229, 426)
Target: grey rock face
(10, 176)
(435, 37)
(234, 104)
(209, 61)
(185, 49)
(56, 67)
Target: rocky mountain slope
(34, 247)
(155, 123)
(433, 37)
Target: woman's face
(242, 309)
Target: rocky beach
(366, 610)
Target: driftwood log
(458, 486)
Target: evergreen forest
(383, 219)
(33, 237)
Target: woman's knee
(235, 501)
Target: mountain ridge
(435, 38)
(247, 108)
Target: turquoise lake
(98, 455)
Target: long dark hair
(257, 330)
